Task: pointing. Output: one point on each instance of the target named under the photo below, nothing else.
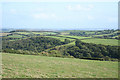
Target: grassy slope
(107, 34)
(21, 66)
(15, 36)
(26, 33)
(43, 33)
(77, 37)
(60, 38)
(112, 42)
(4, 34)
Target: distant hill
(6, 30)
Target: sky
(60, 15)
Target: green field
(4, 34)
(30, 66)
(15, 36)
(76, 37)
(112, 42)
(26, 33)
(43, 33)
(108, 34)
(60, 38)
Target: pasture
(25, 33)
(75, 37)
(30, 66)
(112, 42)
(15, 36)
(44, 33)
(4, 34)
(31, 32)
(60, 38)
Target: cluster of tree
(9, 38)
(106, 31)
(36, 44)
(89, 50)
(19, 30)
(79, 34)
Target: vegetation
(73, 37)
(60, 38)
(80, 52)
(97, 34)
(29, 66)
(4, 34)
(62, 45)
(36, 44)
(112, 42)
(15, 36)
(93, 51)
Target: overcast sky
(60, 15)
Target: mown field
(30, 66)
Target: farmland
(15, 36)
(60, 38)
(30, 32)
(60, 54)
(74, 37)
(4, 34)
(112, 42)
(29, 66)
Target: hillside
(56, 44)
(29, 66)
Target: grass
(112, 42)
(15, 36)
(106, 34)
(30, 66)
(4, 34)
(26, 33)
(43, 33)
(60, 38)
(77, 37)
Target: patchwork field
(30, 66)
